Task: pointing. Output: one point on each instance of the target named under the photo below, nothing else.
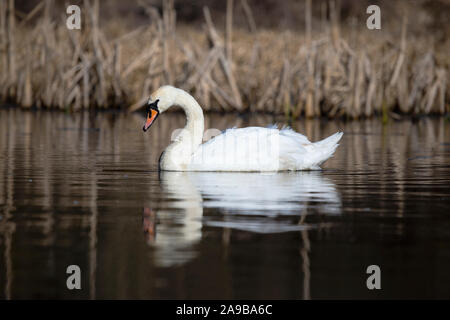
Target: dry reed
(258, 71)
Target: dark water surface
(84, 190)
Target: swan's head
(159, 101)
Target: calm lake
(84, 189)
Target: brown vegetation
(336, 70)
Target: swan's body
(237, 149)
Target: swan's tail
(326, 147)
(330, 141)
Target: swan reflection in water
(253, 202)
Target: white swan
(237, 149)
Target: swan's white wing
(243, 149)
(262, 149)
(309, 156)
(249, 149)
(288, 132)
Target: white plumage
(236, 149)
(262, 149)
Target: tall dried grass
(44, 64)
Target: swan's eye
(153, 105)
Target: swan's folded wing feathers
(288, 132)
(238, 149)
(262, 149)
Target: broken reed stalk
(309, 111)
(229, 29)
(236, 70)
(166, 38)
(249, 16)
(12, 49)
(3, 47)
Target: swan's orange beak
(151, 117)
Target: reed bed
(316, 73)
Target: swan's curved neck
(194, 127)
(179, 153)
